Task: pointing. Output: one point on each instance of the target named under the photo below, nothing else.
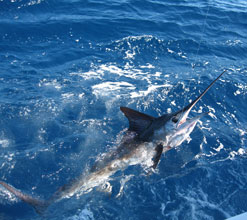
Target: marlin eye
(174, 119)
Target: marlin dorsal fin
(138, 121)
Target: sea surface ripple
(67, 66)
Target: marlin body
(144, 142)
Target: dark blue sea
(67, 66)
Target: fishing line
(193, 65)
(200, 41)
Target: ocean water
(67, 66)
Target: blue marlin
(144, 142)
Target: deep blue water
(67, 66)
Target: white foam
(118, 88)
(128, 71)
(148, 65)
(85, 214)
(130, 54)
(52, 84)
(173, 103)
(106, 88)
(81, 95)
(146, 38)
(218, 149)
(241, 131)
(241, 89)
(170, 51)
(233, 42)
(67, 95)
(4, 143)
(150, 89)
(239, 152)
(34, 2)
(6, 196)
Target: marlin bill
(144, 142)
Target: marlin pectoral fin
(156, 159)
(39, 205)
(138, 121)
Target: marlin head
(176, 126)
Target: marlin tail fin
(39, 205)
